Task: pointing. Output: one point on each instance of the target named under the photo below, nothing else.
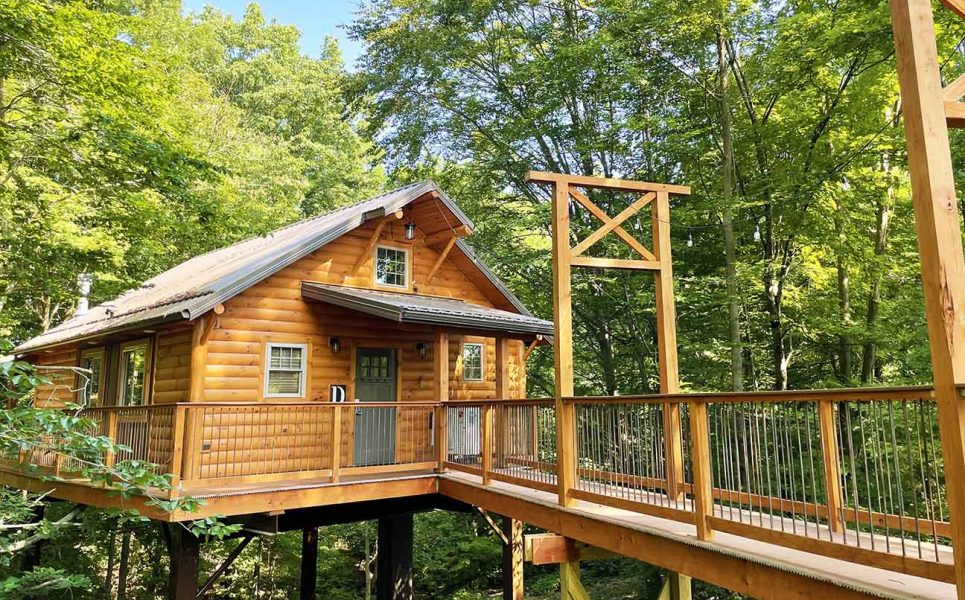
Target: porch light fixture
(334, 344)
(421, 349)
(410, 231)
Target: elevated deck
(833, 493)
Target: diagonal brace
(612, 224)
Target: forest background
(134, 136)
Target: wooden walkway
(766, 571)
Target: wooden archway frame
(656, 259)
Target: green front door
(375, 376)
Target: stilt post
(512, 559)
(393, 580)
(185, 550)
(309, 573)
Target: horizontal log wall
(61, 384)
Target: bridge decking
(738, 563)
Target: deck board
(583, 522)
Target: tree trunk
(727, 220)
(111, 556)
(123, 566)
(870, 351)
(844, 302)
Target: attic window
(391, 267)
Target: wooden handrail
(870, 394)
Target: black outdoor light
(421, 349)
(410, 231)
(334, 344)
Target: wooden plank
(664, 512)
(955, 114)
(552, 549)
(614, 263)
(611, 224)
(956, 6)
(336, 461)
(605, 183)
(620, 232)
(440, 382)
(829, 455)
(571, 588)
(938, 225)
(954, 90)
(486, 443)
(742, 569)
(700, 464)
(909, 565)
(563, 342)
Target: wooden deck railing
(851, 474)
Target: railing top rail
(273, 403)
(515, 401)
(870, 394)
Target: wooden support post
(393, 579)
(440, 359)
(832, 477)
(513, 559)
(571, 588)
(501, 434)
(700, 462)
(177, 444)
(563, 344)
(112, 435)
(486, 443)
(667, 342)
(184, 550)
(939, 241)
(192, 426)
(336, 442)
(309, 573)
(676, 587)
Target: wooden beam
(440, 260)
(830, 456)
(954, 91)
(394, 563)
(620, 232)
(552, 549)
(443, 236)
(512, 559)
(955, 114)
(614, 263)
(939, 238)
(956, 6)
(675, 587)
(605, 183)
(571, 588)
(370, 246)
(440, 381)
(185, 550)
(309, 572)
(611, 224)
(529, 349)
(563, 343)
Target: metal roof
(426, 310)
(197, 285)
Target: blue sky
(315, 19)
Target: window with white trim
(285, 366)
(472, 361)
(392, 266)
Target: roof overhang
(428, 310)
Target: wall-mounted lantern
(334, 344)
(421, 349)
(410, 231)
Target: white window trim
(303, 370)
(482, 361)
(375, 266)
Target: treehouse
(366, 365)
